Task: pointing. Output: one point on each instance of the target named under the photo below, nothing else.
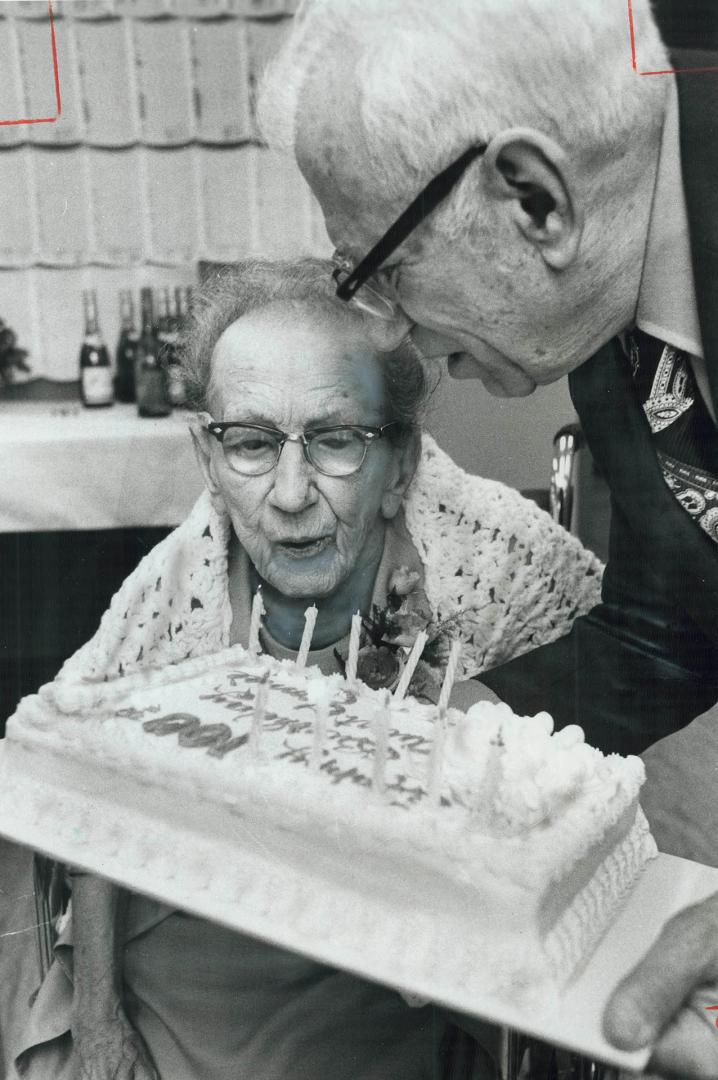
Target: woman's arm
(107, 1046)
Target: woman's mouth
(303, 549)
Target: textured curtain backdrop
(154, 163)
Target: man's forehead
(350, 208)
(355, 213)
(334, 156)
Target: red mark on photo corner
(713, 1008)
(56, 75)
(668, 71)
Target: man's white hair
(434, 76)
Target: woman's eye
(249, 443)
(335, 440)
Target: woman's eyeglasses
(361, 285)
(253, 450)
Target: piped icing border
(409, 947)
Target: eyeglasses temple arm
(425, 202)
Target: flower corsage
(388, 634)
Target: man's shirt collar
(666, 300)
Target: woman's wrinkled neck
(284, 617)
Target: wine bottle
(180, 308)
(127, 346)
(165, 328)
(162, 320)
(150, 375)
(95, 368)
(175, 380)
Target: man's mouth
(303, 548)
(502, 379)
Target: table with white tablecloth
(84, 494)
(69, 468)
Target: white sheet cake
(424, 852)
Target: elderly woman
(320, 488)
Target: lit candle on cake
(381, 744)
(436, 758)
(410, 666)
(450, 674)
(322, 700)
(258, 711)
(310, 618)
(353, 658)
(255, 622)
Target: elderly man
(501, 184)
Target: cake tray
(572, 1021)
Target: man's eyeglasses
(359, 285)
(253, 450)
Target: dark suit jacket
(645, 661)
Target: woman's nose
(293, 488)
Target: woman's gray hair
(255, 284)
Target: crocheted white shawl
(519, 578)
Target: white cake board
(667, 885)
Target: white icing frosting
(538, 831)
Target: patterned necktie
(684, 435)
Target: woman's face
(293, 367)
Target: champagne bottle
(95, 368)
(150, 376)
(127, 346)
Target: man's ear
(532, 171)
(406, 458)
(203, 450)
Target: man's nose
(431, 344)
(293, 488)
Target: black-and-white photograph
(358, 539)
